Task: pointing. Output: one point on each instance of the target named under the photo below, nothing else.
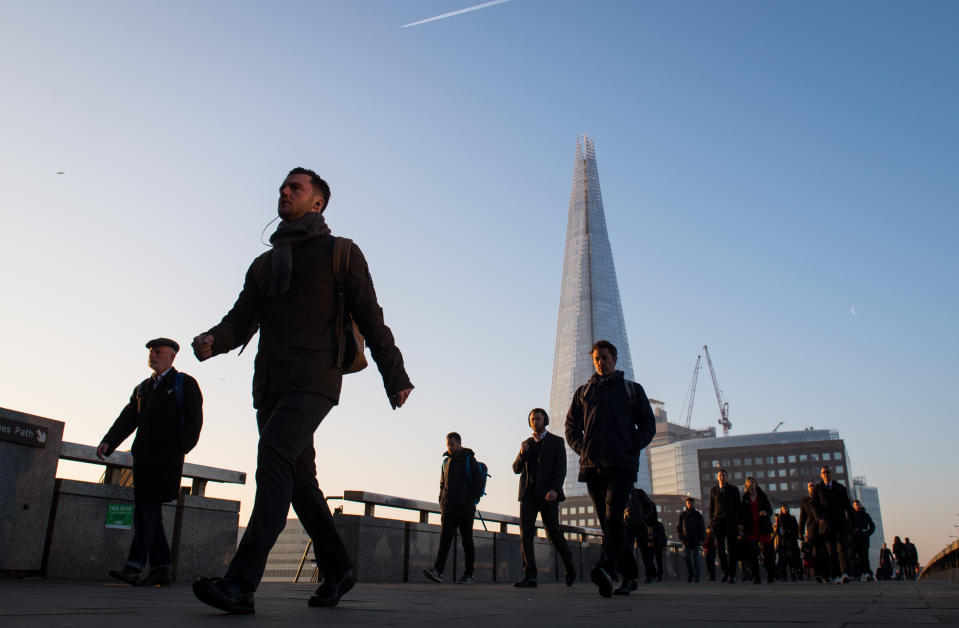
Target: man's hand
(398, 399)
(203, 346)
(551, 495)
(102, 450)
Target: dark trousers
(753, 548)
(860, 552)
(635, 535)
(549, 511)
(286, 474)
(835, 547)
(450, 523)
(725, 536)
(609, 490)
(149, 538)
(709, 557)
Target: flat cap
(164, 342)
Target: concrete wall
(80, 547)
(27, 475)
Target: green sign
(120, 516)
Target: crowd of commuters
(307, 297)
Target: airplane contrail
(452, 13)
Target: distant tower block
(589, 305)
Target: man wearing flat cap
(166, 412)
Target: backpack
(350, 357)
(481, 481)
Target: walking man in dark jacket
(639, 516)
(835, 512)
(724, 519)
(300, 305)
(608, 424)
(809, 531)
(912, 559)
(862, 528)
(541, 463)
(166, 411)
(786, 541)
(691, 530)
(459, 494)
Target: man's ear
(319, 205)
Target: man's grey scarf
(286, 235)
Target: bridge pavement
(34, 602)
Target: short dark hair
(721, 470)
(690, 499)
(604, 344)
(856, 501)
(319, 184)
(538, 411)
(825, 466)
(455, 436)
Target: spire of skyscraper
(589, 305)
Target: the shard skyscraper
(589, 305)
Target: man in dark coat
(912, 559)
(724, 519)
(300, 308)
(541, 465)
(459, 493)
(835, 513)
(809, 531)
(691, 529)
(640, 514)
(608, 424)
(862, 528)
(166, 411)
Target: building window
(803, 457)
(837, 456)
(769, 460)
(706, 477)
(582, 510)
(814, 457)
(783, 486)
(794, 486)
(793, 472)
(738, 475)
(792, 458)
(747, 461)
(737, 462)
(565, 510)
(725, 463)
(781, 459)
(825, 456)
(839, 468)
(760, 473)
(705, 464)
(772, 486)
(715, 464)
(582, 522)
(782, 473)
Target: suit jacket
(835, 507)
(161, 441)
(808, 517)
(550, 469)
(725, 505)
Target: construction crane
(778, 425)
(691, 394)
(723, 405)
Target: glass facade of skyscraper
(589, 304)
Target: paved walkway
(36, 602)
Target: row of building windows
(792, 458)
(773, 473)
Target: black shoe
(570, 576)
(433, 574)
(601, 579)
(629, 584)
(526, 583)
(689, 578)
(725, 578)
(223, 594)
(129, 574)
(329, 594)
(731, 581)
(159, 577)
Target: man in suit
(166, 411)
(809, 530)
(835, 515)
(541, 465)
(297, 301)
(724, 519)
(608, 425)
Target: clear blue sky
(781, 182)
